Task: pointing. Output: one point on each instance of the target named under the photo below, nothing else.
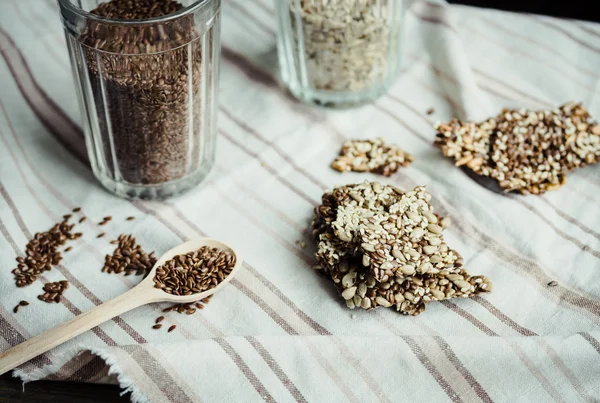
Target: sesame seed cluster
(382, 246)
(525, 151)
(371, 156)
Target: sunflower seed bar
(384, 247)
(526, 151)
(371, 156)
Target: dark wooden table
(11, 391)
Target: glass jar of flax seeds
(147, 75)
(339, 52)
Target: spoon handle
(51, 338)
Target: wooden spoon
(141, 294)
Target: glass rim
(196, 5)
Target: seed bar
(371, 156)
(525, 151)
(384, 247)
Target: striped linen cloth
(279, 332)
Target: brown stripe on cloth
(502, 316)
(403, 124)
(273, 145)
(570, 219)
(566, 33)
(342, 386)
(265, 307)
(585, 28)
(470, 318)
(258, 198)
(66, 132)
(433, 371)
(516, 348)
(491, 23)
(445, 347)
(298, 252)
(79, 368)
(590, 339)
(272, 363)
(268, 168)
(155, 371)
(231, 353)
(560, 364)
(581, 245)
(242, 366)
(542, 379)
(9, 238)
(13, 208)
(10, 333)
(516, 90)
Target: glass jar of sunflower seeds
(146, 73)
(339, 52)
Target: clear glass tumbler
(339, 52)
(147, 82)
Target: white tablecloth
(279, 332)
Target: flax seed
(172, 328)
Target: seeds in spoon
(194, 272)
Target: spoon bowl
(141, 294)
(184, 248)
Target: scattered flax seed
(207, 299)
(68, 248)
(157, 326)
(430, 111)
(199, 305)
(20, 304)
(159, 319)
(130, 218)
(101, 235)
(41, 253)
(194, 272)
(107, 218)
(371, 156)
(77, 209)
(526, 151)
(172, 328)
(82, 219)
(53, 291)
(128, 258)
(382, 246)
(67, 217)
(552, 284)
